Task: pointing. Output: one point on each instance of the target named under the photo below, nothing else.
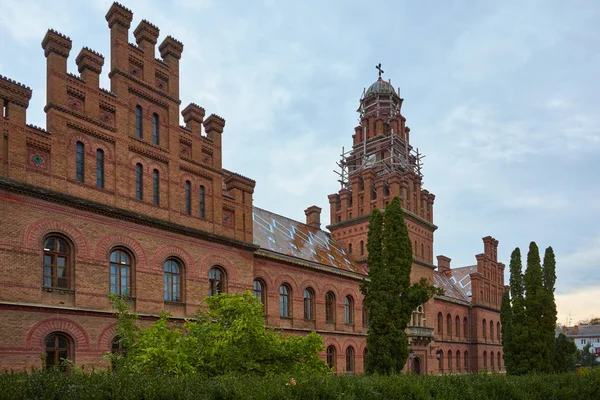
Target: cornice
(37, 192)
(144, 85)
(363, 218)
(50, 106)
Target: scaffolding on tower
(385, 154)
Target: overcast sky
(501, 97)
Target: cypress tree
(519, 335)
(534, 298)
(389, 295)
(549, 312)
(506, 321)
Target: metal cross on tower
(378, 67)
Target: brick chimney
(576, 330)
(313, 217)
(444, 265)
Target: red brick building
(114, 195)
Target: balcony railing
(420, 332)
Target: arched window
(155, 133)
(350, 359)
(485, 359)
(139, 181)
(216, 281)
(202, 202)
(57, 262)
(120, 273)
(79, 161)
(100, 169)
(331, 357)
(440, 324)
(440, 357)
(156, 187)
(116, 346)
(284, 301)
(491, 330)
(138, 122)
(498, 332)
(466, 328)
(329, 307)
(365, 315)
(449, 325)
(458, 360)
(492, 360)
(362, 248)
(349, 248)
(499, 361)
(450, 365)
(259, 290)
(188, 197)
(484, 326)
(422, 251)
(466, 361)
(58, 349)
(172, 270)
(457, 326)
(309, 296)
(349, 310)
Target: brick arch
(107, 336)
(108, 242)
(187, 177)
(330, 288)
(281, 279)
(135, 159)
(312, 284)
(332, 342)
(159, 166)
(172, 251)
(36, 232)
(97, 144)
(350, 342)
(77, 137)
(39, 332)
(265, 277)
(352, 293)
(211, 260)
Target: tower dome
(380, 87)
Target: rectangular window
(202, 214)
(79, 161)
(188, 197)
(139, 182)
(5, 109)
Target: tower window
(138, 122)
(155, 133)
(5, 109)
(79, 161)
(100, 168)
(202, 191)
(155, 187)
(188, 197)
(139, 181)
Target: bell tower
(381, 164)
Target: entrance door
(416, 366)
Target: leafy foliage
(565, 354)
(149, 386)
(228, 338)
(389, 295)
(529, 317)
(585, 358)
(507, 331)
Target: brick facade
(114, 170)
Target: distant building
(115, 196)
(583, 335)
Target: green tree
(389, 295)
(520, 333)
(228, 338)
(585, 358)
(534, 299)
(506, 321)
(565, 355)
(549, 313)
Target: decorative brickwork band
(89, 59)
(55, 42)
(146, 31)
(170, 47)
(119, 14)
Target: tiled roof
(461, 277)
(584, 330)
(285, 236)
(451, 289)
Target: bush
(125, 386)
